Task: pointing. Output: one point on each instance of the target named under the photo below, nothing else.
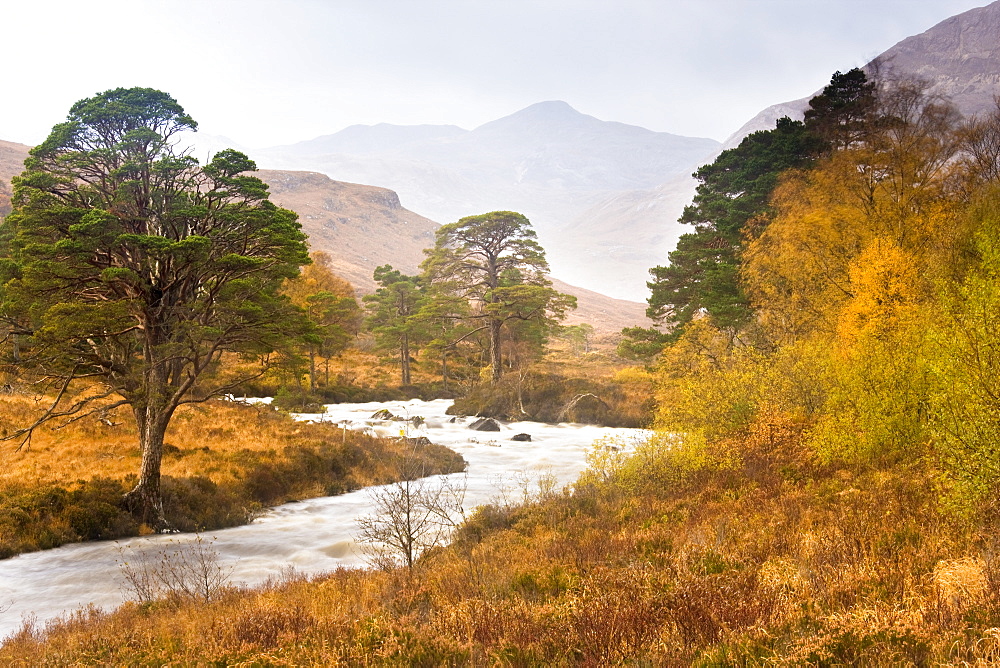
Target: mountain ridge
(968, 72)
(960, 56)
(352, 221)
(547, 161)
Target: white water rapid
(310, 536)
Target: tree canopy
(732, 194)
(732, 206)
(331, 306)
(131, 266)
(874, 296)
(493, 262)
(392, 313)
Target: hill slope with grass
(66, 484)
(821, 488)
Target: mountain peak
(553, 113)
(556, 108)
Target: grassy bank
(223, 463)
(592, 389)
(743, 552)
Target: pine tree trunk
(404, 358)
(496, 359)
(144, 501)
(444, 370)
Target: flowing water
(308, 536)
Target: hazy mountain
(616, 241)
(383, 138)
(539, 161)
(548, 161)
(961, 58)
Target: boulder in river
(521, 437)
(383, 414)
(485, 424)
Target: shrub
(554, 398)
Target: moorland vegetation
(822, 488)
(139, 286)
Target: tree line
(133, 276)
(843, 274)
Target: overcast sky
(267, 72)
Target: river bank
(313, 535)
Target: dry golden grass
(200, 439)
(222, 462)
(366, 369)
(759, 558)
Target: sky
(272, 72)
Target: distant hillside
(959, 56)
(627, 233)
(605, 314)
(363, 227)
(11, 164)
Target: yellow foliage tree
(892, 192)
(884, 281)
(712, 386)
(965, 366)
(331, 305)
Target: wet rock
(419, 440)
(383, 414)
(521, 437)
(485, 424)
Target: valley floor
(748, 554)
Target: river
(309, 536)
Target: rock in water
(521, 437)
(485, 424)
(383, 414)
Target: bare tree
(411, 517)
(188, 569)
(980, 143)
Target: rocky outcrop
(959, 56)
(485, 424)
